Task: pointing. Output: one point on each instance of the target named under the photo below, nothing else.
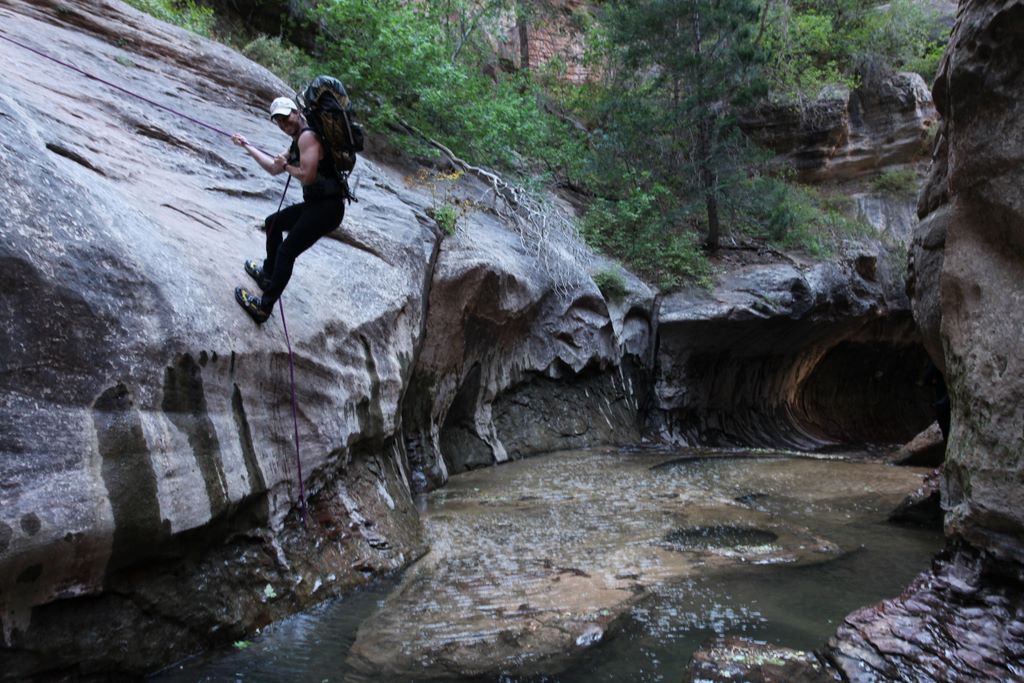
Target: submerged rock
(741, 659)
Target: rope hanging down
(291, 356)
(291, 372)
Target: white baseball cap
(282, 106)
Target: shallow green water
(582, 508)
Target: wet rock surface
(536, 561)
(218, 584)
(961, 621)
(741, 659)
(150, 437)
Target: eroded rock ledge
(799, 354)
(848, 134)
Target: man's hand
(239, 140)
(280, 161)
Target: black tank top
(326, 183)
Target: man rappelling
(320, 212)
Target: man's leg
(275, 225)
(316, 220)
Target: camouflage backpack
(328, 111)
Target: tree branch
(548, 232)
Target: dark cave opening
(802, 384)
(869, 393)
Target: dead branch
(549, 233)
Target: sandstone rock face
(962, 620)
(924, 267)
(893, 215)
(844, 140)
(148, 464)
(790, 352)
(805, 138)
(147, 419)
(982, 278)
(499, 318)
(845, 135)
(795, 353)
(555, 32)
(558, 34)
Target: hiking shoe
(251, 304)
(255, 270)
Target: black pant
(305, 223)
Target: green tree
(815, 43)
(899, 35)
(694, 60)
(803, 52)
(413, 67)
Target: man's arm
(272, 165)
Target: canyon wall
(149, 460)
(148, 466)
(963, 620)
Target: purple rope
(291, 372)
(124, 90)
(295, 417)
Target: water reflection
(604, 566)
